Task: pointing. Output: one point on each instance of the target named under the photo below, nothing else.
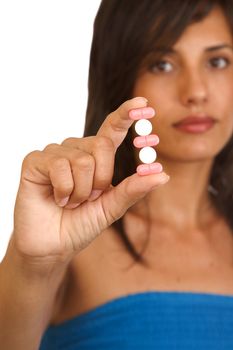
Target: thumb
(120, 198)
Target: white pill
(143, 127)
(147, 155)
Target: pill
(147, 155)
(143, 141)
(143, 127)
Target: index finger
(117, 123)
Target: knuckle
(103, 142)
(60, 173)
(85, 161)
(28, 164)
(59, 163)
(114, 122)
(27, 159)
(110, 115)
(70, 142)
(51, 147)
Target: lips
(195, 124)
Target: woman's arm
(27, 300)
(65, 200)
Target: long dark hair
(125, 34)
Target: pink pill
(148, 169)
(143, 141)
(141, 113)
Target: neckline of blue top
(182, 297)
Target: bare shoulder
(201, 261)
(86, 281)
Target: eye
(219, 62)
(161, 66)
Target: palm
(44, 229)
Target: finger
(40, 168)
(104, 154)
(128, 192)
(102, 149)
(76, 142)
(83, 168)
(60, 173)
(117, 123)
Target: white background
(44, 58)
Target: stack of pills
(147, 155)
(145, 141)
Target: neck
(184, 202)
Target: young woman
(107, 253)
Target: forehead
(213, 29)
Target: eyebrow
(219, 47)
(170, 50)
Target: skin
(191, 80)
(49, 231)
(185, 250)
(51, 227)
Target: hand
(65, 197)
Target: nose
(193, 88)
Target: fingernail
(72, 205)
(140, 98)
(165, 179)
(94, 195)
(63, 201)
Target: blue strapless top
(149, 320)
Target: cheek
(226, 128)
(155, 88)
(221, 92)
(161, 94)
(222, 105)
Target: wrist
(33, 269)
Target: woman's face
(194, 79)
